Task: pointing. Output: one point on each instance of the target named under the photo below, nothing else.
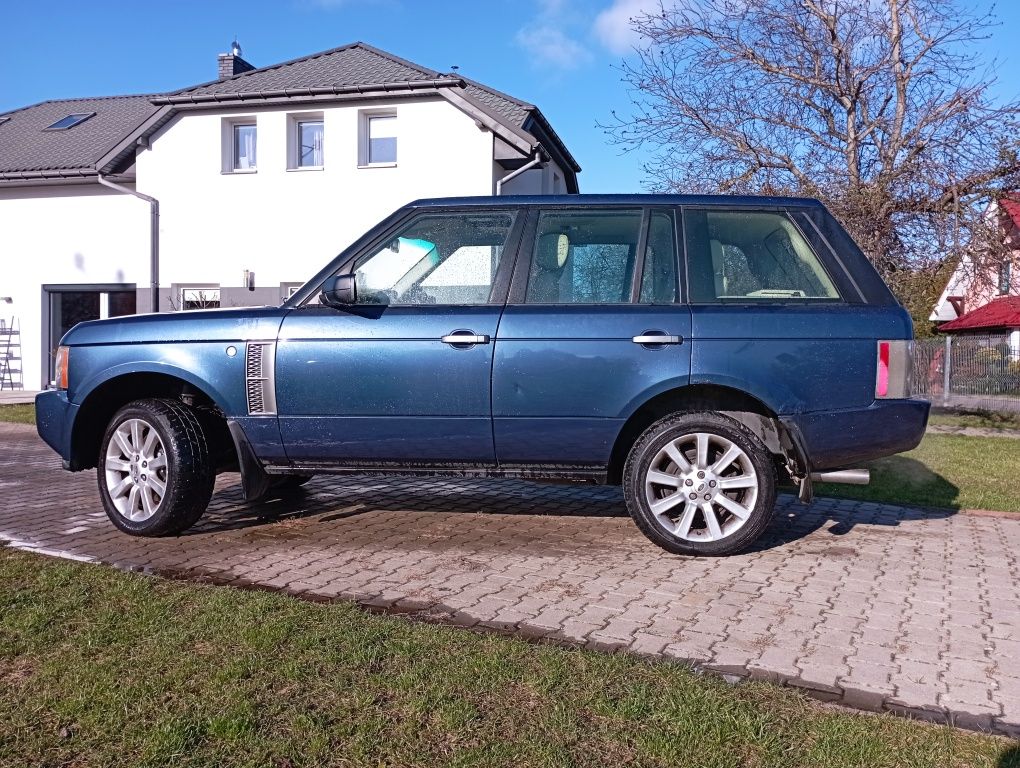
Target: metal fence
(979, 372)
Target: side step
(842, 476)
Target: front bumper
(836, 439)
(54, 420)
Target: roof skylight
(70, 121)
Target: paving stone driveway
(878, 606)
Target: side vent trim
(260, 377)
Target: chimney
(231, 64)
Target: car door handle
(464, 337)
(657, 338)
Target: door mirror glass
(339, 290)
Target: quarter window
(584, 257)
(658, 281)
(441, 259)
(751, 257)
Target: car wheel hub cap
(136, 470)
(701, 487)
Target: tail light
(60, 368)
(895, 366)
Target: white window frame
(289, 289)
(181, 288)
(294, 121)
(365, 118)
(227, 143)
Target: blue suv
(695, 350)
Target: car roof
(629, 199)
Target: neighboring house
(259, 178)
(1000, 316)
(971, 285)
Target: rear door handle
(658, 338)
(464, 337)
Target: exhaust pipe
(843, 476)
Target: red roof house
(1001, 314)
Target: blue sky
(558, 54)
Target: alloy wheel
(701, 487)
(136, 470)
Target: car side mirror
(340, 291)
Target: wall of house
(285, 224)
(67, 235)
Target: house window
(378, 139)
(309, 144)
(199, 297)
(245, 143)
(70, 121)
(1005, 277)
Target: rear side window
(584, 257)
(751, 256)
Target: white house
(235, 191)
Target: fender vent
(260, 381)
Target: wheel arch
(106, 397)
(749, 410)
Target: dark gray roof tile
(26, 146)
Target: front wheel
(155, 472)
(700, 484)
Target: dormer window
(70, 121)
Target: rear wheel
(155, 472)
(700, 484)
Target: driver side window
(437, 259)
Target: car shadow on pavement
(329, 498)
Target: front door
(594, 328)
(403, 374)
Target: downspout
(153, 236)
(514, 174)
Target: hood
(194, 325)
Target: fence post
(946, 368)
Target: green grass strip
(104, 668)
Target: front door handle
(458, 338)
(655, 337)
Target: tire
(155, 472)
(290, 482)
(734, 502)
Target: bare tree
(881, 108)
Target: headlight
(60, 369)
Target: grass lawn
(103, 668)
(19, 414)
(949, 471)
